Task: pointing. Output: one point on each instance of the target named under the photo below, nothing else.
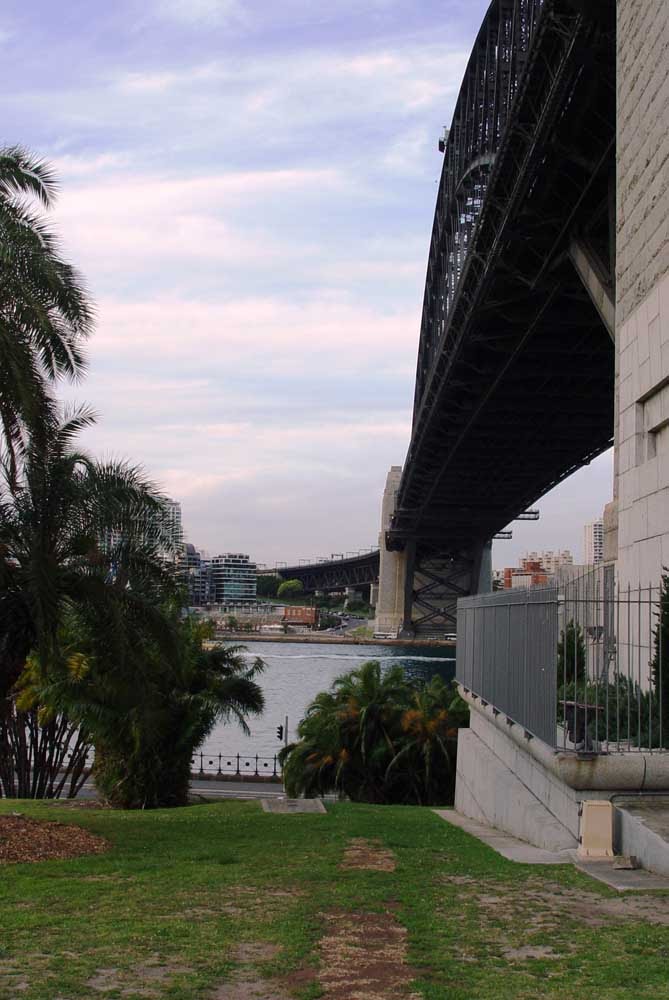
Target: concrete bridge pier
(391, 591)
(419, 585)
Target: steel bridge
(335, 574)
(515, 375)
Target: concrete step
(641, 829)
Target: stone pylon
(392, 566)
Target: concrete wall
(642, 290)
(499, 784)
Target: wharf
(336, 640)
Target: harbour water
(295, 673)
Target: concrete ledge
(634, 771)
(642, 830)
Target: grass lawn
(225, 901)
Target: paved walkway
(509, 847)
(513, 849)
(281, 804)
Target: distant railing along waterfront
(219, 765)
(236, 765)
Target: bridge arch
(515, 371)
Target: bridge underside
(515, 380)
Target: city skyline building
(551, 560)
(593, 542)
(195, 570)
(172, 523)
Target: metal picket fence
(582, 664)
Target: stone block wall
(642, 151)
(642, 292)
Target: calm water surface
(296, 672)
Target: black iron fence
(251, 766)
(582, 665)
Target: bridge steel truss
(515, 372)
(335, 575)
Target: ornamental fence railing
(204, 764)
(221, 765)
(582, 665)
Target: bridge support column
(485, 570)
(392, 566)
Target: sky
(248, 188)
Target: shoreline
(336, 640)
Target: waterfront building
(306, 617)
(233, 578)
(195, 570)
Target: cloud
(203, 12)
(258, 103)
(277, 334)
(249, 190)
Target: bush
(267, 585)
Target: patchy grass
(225, 901)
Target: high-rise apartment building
(173, 527)
(195, 572)
(234, 578)
(551, 560)
(593, 543)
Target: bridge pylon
(421, 579)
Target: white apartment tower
(593, 543)
(172, 526)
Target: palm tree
(378, 736)
(349, 735)
(79, 542)
(45, 313)
(148, 713)
(425, 761)
(318, 761)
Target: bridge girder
(335, 575)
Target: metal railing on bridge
(582, 665)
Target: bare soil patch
(552, 904)
(246, 983)
(247, 986)
(144, 979)
(80, 803)
(515, 919)
(368, 855)
(363, 957)
(256, 951)
(26, 840)
(237, 901)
